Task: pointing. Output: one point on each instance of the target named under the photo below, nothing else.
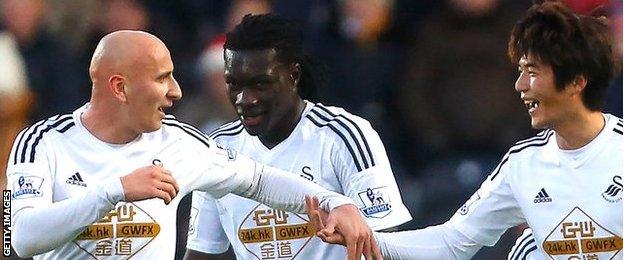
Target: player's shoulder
(533, 144)
(29, 140)
(333, 117)
(615, 128)
(525, 150)
(353, 133)
(228, 132)
(174, 128)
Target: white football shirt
(57, 159)
(330, 147)
(571, 199)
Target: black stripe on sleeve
(23, 146)
(523, 251)
(189, 130)
(617, 131)
(19, 140)
(230, 131)
(344, 139)
(362, 136)
(538, 136)
(228, 127)
(67, 127)
(521, 242)
(40, 136)
(516, 149)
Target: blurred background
(432, 76)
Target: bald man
(91, 184)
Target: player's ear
(117, 86)
(295, 75)
(578, 84)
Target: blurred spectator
(50, 70)
(210, 108)
(457, 92)
(15, 98)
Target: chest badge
(613, 193)
(578, 236)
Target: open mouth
(250, 120)
(532, 105)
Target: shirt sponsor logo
(123, 232)
(376, 203)
(578, 236)
(613, 193)
(27, 187)
(268, 233)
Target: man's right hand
(149, 182)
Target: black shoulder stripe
(538, 136)
(67, 127)
(344, 139)
(617, 131)
(231, 126)
(189, 130)
(229, 133)
(48, 128)
(528, 251)
(362, 136)
(522, 254)
(188, 126)
(619, 123)
(21, 137)
(516, 149)
(38, 130)
(524, 240)
(348, 130)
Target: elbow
(22, 246)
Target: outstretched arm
(435, 242)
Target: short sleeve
(205, 231)
(368, 179)
(28, 174)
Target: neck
(104, 125)
(579, 130)
(281, 132)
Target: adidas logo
(76, 179)
(542, 197)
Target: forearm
(435, 242)
(286, 191)
(37, 230)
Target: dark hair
(269, 31)
(571, 44)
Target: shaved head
(123, 52)
(133, 84)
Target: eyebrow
(164, 75)
(528, 64)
